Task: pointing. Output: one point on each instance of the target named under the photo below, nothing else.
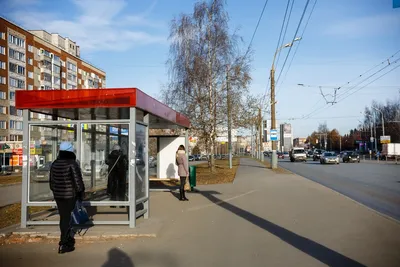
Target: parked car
(266, 153)
(191, 158)
(317, 154)
(350, 156)
(41, 174)
(329, 157)
(203, 157)
(101, 169)
(298, 154)
(281, 155)
(310, 154)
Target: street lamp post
(383, 121)
(274, 159)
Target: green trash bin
(192, 176)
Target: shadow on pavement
(312, 248)
(117, 257)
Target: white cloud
(365, 26)
(99, 25)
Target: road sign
(274, 135)
(385, 139)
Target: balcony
(45, 70)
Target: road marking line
(221, 201)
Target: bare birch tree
(202, 53)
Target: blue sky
(129, 40)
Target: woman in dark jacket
(67, 186)
(117, 166)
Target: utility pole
(228, 98)
(260, 135)
(251, 145)
(376, 144)
(274, 160)
(340, 143)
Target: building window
(30, 74)
(3, 35)
(17, 83)
(16, 40)
(30, 61)
(16, 125)
(3, 80)
(46, 77)
(2, 50)
(3, 125)
(30, 48)
(3, 110)
(2, 65)
(63, 86)
(14, 137)
(12, 96)
(72, 77)
(30, 87)
(57, 80)
(16, 55)
(70, 86)
(56, 58)
(3, 95)
(16, 68)
(71, 66)
(46, 64)
(45, 52)
(79, 81)
(56, 69)
(63, 74)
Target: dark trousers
(182, 185)
(65, 207)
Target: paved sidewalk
(263, 219)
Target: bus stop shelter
(94, 120)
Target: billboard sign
(287, 130)
(385, 139)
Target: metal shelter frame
(72, 109)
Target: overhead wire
(294, 37)
(375, 73)
(359, 76)
(280, 41)
(297, 46)
(255, 30)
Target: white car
(329, 158)
(101, 169)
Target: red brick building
(37, 60)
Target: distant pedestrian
(183, 171)
(67, 185)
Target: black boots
(182, 196)
(69, 246)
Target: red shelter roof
(97, 98)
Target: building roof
(47, 100)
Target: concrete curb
(5, 185)
(26, 237)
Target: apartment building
(38, 60)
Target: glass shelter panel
(104, 169)
(141, 162)
(44, 145)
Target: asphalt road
(374, 185)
